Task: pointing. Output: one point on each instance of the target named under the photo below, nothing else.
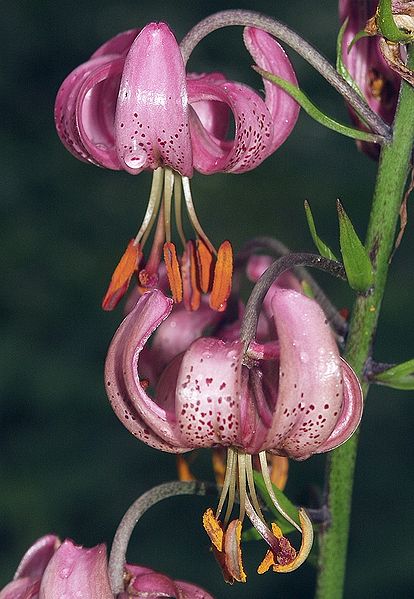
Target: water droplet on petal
(136, 160)
(64, 573)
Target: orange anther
(127, 265)
(213, 529)
(183, 469)
(205, 266)
(173, 271)
(223, 273)
(191, 291)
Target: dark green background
(66, 463)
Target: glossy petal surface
(151, 121)
(75, 572)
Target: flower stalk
(391, 180)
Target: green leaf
(340, 65)
(285, 503)
(388, 27)
(400, 376)
(307, 289)
(323, 249)
(357, 263)
(314, 112)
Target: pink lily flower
(367, 66)
(132, 107)
(51, 569)
(290, 395)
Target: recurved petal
(22, 588)
(85, 108)
(36, 558)
(270, 55)
(119, 44)
(253, 128)
(139, 413)
(351, 410)
(208, 395)
(214, 115)
(310, 393)
(76, 572)
(191, 591)
(151, 122)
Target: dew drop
(64, 573)
(136, 160)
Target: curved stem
(117, 558)
(277, 248)
(254, 303)
(389, 190)
(247, 18)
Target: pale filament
(177, 208)
(193, 216)
(152, 208)
(168, 189)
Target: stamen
(148, 277)
(269, 487)
(222, 277)
(227, 479)
(193, 216)
(232, 551)
(173, 271)
(168, 189)
(242, 484)
(122, 274)
(152, 207)
(205, 266)
(177, 208)
(213, 529)
(191, 292)
(183, 469)
(252, 488)
(232, 493)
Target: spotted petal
(310, 394)
(270, 56)
(151, 121)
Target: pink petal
(137, 411)
(119, 44)
(83, 115)
(36, 558)
(23, 588)
(191, 591)
(253, 128)
(214, 116)
(270, 56)
(75, 572)
(178, 331)
(351, 411)
(208, 394)
(151, 123)
(310, 377)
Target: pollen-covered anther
(189, 273)
(122, 275)
(282, 557)
(205, 266)
(226, 546)
(223, 273)
(173, 271)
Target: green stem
(392, 175)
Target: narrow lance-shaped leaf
(314, 112)
(357, 263)
(340, 65)
(323, 249)
(400, 376)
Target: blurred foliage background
(66, 463)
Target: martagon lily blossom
(288, 393)
(132, 107)
(53, 570)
